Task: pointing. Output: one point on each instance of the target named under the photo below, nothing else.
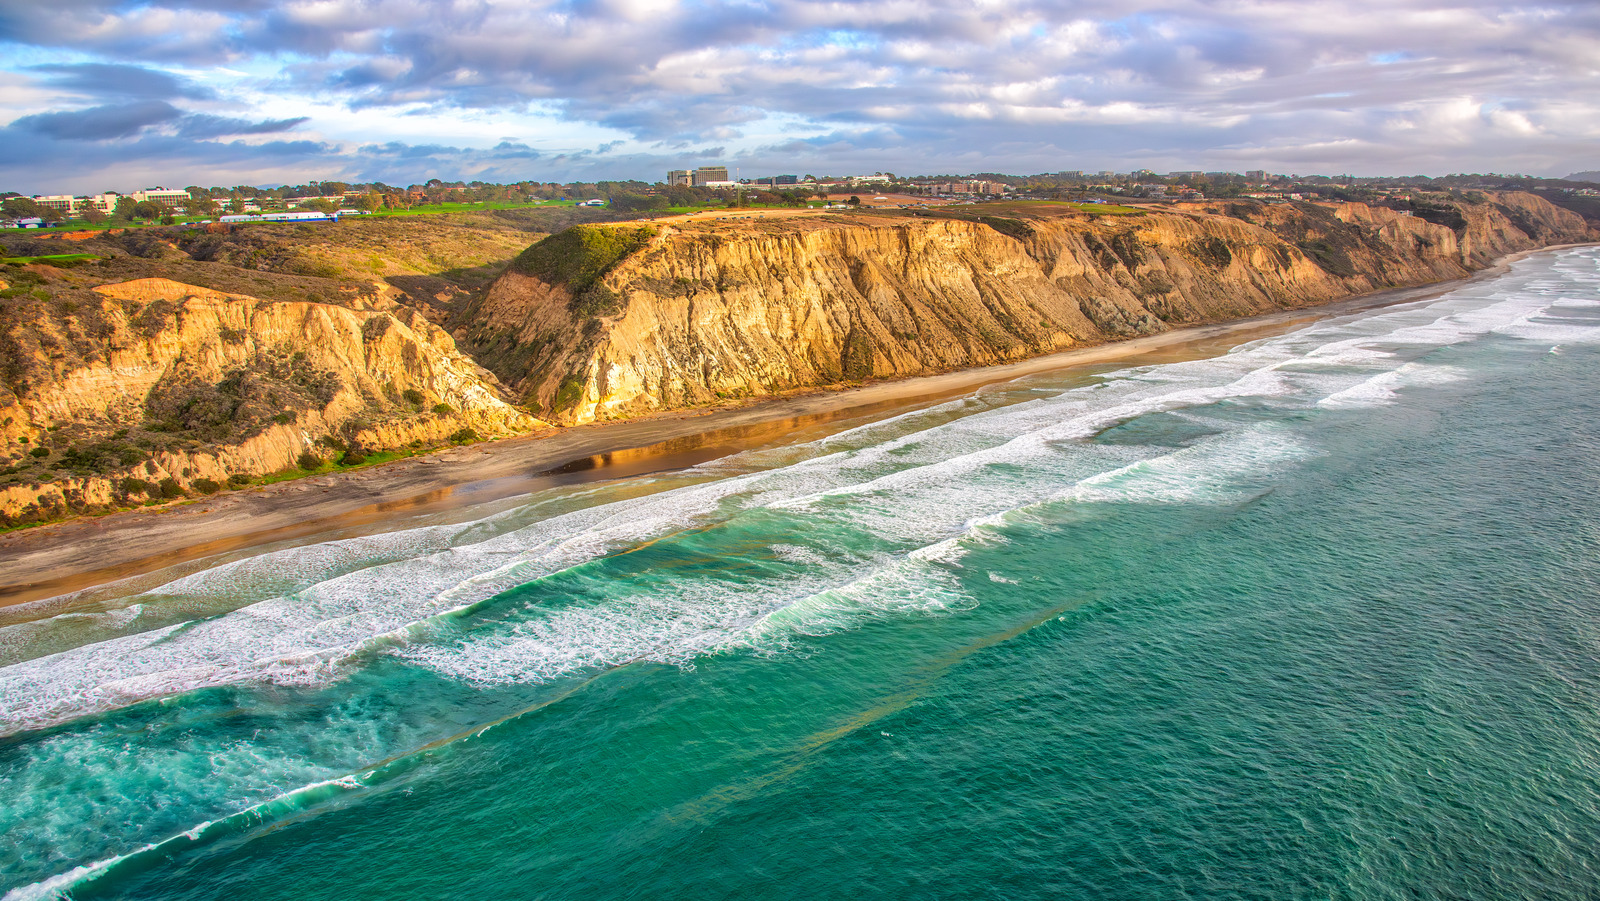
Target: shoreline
(72, 557)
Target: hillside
(605, 322)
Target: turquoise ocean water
(1317, 618)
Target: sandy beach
(77, 555)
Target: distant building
(60, 203)
(680, 177)
(299, 216)
(71, 205)
(165, 196)
(1256, 175)
(705, 175)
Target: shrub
(170, 487)
(1154, 284)
(205, 486)
(598, 300)
(308, 460)
(132, 485)
(39, 452)
(443, 409)
(569, 393)
(1212, 251)
(465, 436)
(413, 397)
(284, 418)
(352, 458)
(238, 480)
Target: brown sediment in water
(73, 556)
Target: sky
(121, 94)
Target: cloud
(908, 85)
(201, 125)
(118, 80)
(99, 123)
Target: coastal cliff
(116, 392)
(605, 322)
(153, 389)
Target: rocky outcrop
(156, 384)
(697, 312)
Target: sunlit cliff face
(702, 316)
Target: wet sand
(73, 556)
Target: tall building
(706, 174)
(679, 177)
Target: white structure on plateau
(172, 197)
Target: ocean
(1315, 618)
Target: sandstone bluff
(690, 313)
(117, 394)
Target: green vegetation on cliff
(580, 257)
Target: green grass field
(431, 209)
(53, 259)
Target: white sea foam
(1383, 388)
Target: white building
(165, 196)
(298, 216)
(72, 205)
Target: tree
(93, 214)
(23, 207)
(628, 202)
(372, 202)
(124, 209)
(854, 200)
(204, 206)
(148, 209)
(324, 205)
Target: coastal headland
(611, 349)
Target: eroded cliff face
(703, 312)
(155, 380)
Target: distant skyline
(118, 94)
